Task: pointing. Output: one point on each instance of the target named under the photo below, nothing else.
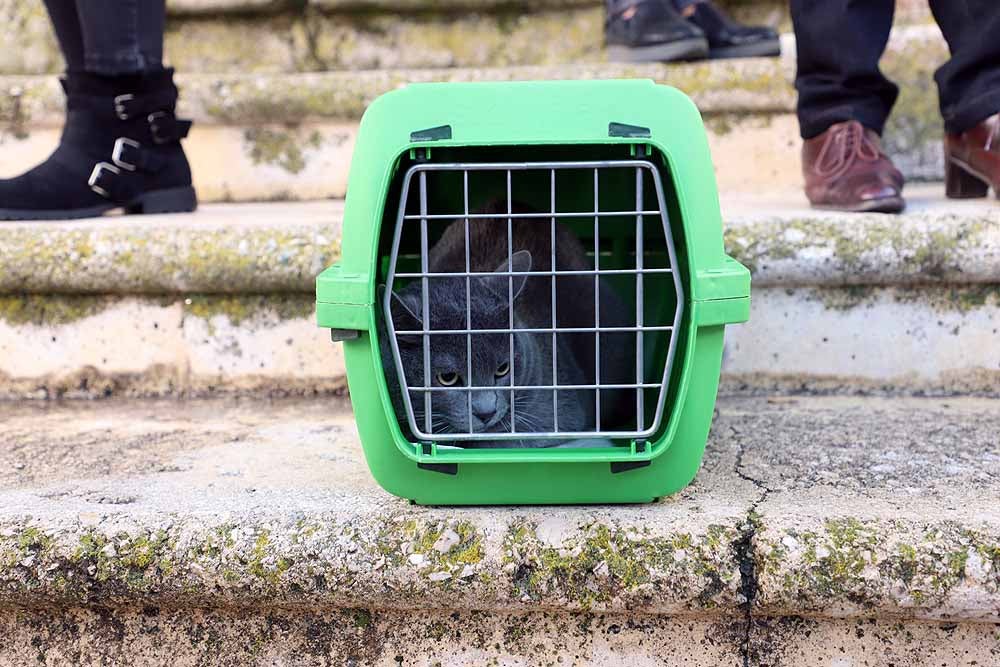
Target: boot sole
(768, 49)
(685, 49)
(886, 205)
(172, 200)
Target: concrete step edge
(718, 87)
(280, 247)
(753, 85)
(270, 506)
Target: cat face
(492, 366)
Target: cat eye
(447, 379)
(502, 369)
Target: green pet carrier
(601, 328)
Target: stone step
(281, 35)
(281, 136)
(819, 530)
(221, 301)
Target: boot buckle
(121, 143)
(120, 109)
(95, 177)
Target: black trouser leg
(839, 44)
(122, 36)
(66, 22)
(969, 83)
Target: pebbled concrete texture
(855, 304)
(281, 246)
(935, 241)
(820, 531)
(359, 637)
(193, 345)
(219, 249)
(286, 36)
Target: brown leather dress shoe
(972, 160)
(846, 170)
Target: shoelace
(846, 145)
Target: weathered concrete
(240, 164)
(311, 161)
(271, 135)
(360, 637)
(280, 247)
(874, 507)
(208, 503)
(286, 35)
(841, 303)
(222, 248)
(192, 345)
(759, 85)
(935, 241)
(246, 533)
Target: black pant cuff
(971, 113)
(812, 124)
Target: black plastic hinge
(625, 466)
(446, 468)
(340, 335)
(438, 133)
(628, 131)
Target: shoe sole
(886, 205)
(768, 49)
(685, 49)
(172, 200)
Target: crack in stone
(744, 549)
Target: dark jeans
(110, 37)
(839, 46)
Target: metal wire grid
(426, 432)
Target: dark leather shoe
(729, 39)
(652, 31)
(846, 170)
(972, 161)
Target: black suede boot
(120, 148)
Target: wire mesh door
(595, 236)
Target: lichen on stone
(281, 148)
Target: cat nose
(485, 406)
(483, 413)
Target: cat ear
(404, 314)
(521, 263)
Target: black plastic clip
(340, 335)
(445, 468)
(627, 131)
(439, 133)
(625, 466)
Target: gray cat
(532, 362)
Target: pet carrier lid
(425, 117)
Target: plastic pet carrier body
(533, 292)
